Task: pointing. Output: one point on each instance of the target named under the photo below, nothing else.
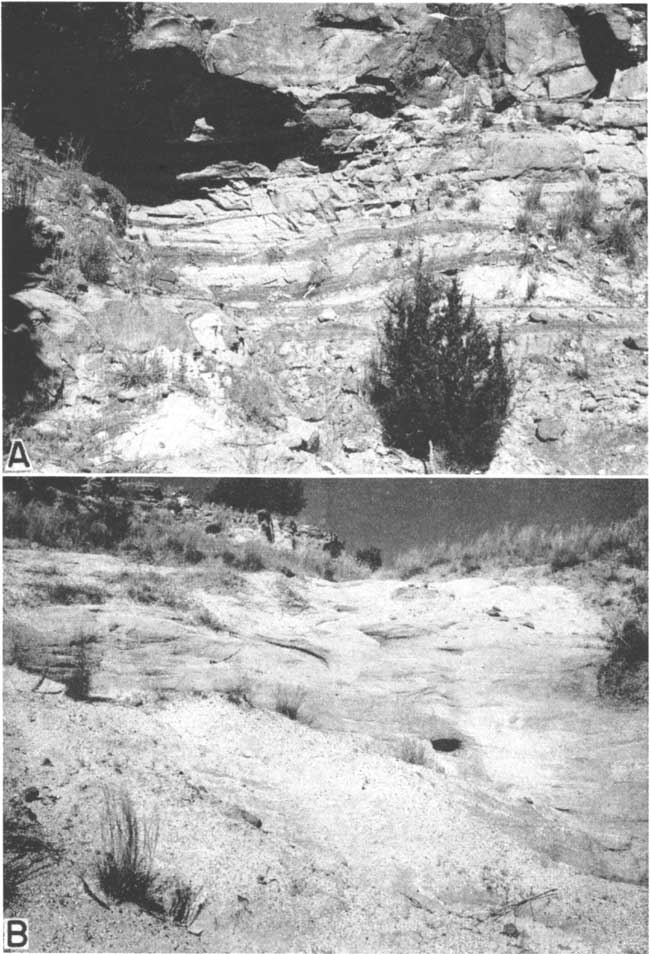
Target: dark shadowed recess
(69, 70)
(604, 53)
(27, 382)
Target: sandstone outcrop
(283, 171)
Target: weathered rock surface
(317, 829)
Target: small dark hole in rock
(446, 745)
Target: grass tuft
(289, 701)
(524, 222)
(533, 197)
(126, 869)
(412, 751)
(25, 853)
(183, 903)
(626, 541)
(620, 239)
(141, 371)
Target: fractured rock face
(285, 170)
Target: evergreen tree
(439, 380)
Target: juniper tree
(438, 379)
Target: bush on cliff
(439, 382)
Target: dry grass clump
(621, 238)
(289, 701)
(148, 587)
(253, 391)
(525, 222)
(412, 751)
(125, 870)
(183, 902)
(625, 541)
(253, 556)
(68, 593)
(585, 205)
(65, 523)
(533, 197)
(159, 537)
(26, 853)
(141, 371)
(562, 223)
(205, 618)
(239, 693)
(579, 211)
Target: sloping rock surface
(528, 782)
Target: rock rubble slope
(283, 172)
(315, 834)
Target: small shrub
(254, 392)
(79, 681)
(20, 185)
(319, 272)
(149, 588)
(473, 203)
(63, 276)
(640, 595)
(205, 618)
(533, 197)
(125, 871)
(524, 222)
(274, 254)
(71, 155)
(114, 200)
(630, 641)
(289, 701)
(240, 694)
(579, 369)
(624, 674)
(67, 593)
(564, 555)
(527, 257)
(370, 557)
(620, 239)
(413, 752)
(469, 563)
(251, 558)
(95, 255)
(410, 564)
(439, 380)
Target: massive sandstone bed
(315, 835)
(285, 170)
